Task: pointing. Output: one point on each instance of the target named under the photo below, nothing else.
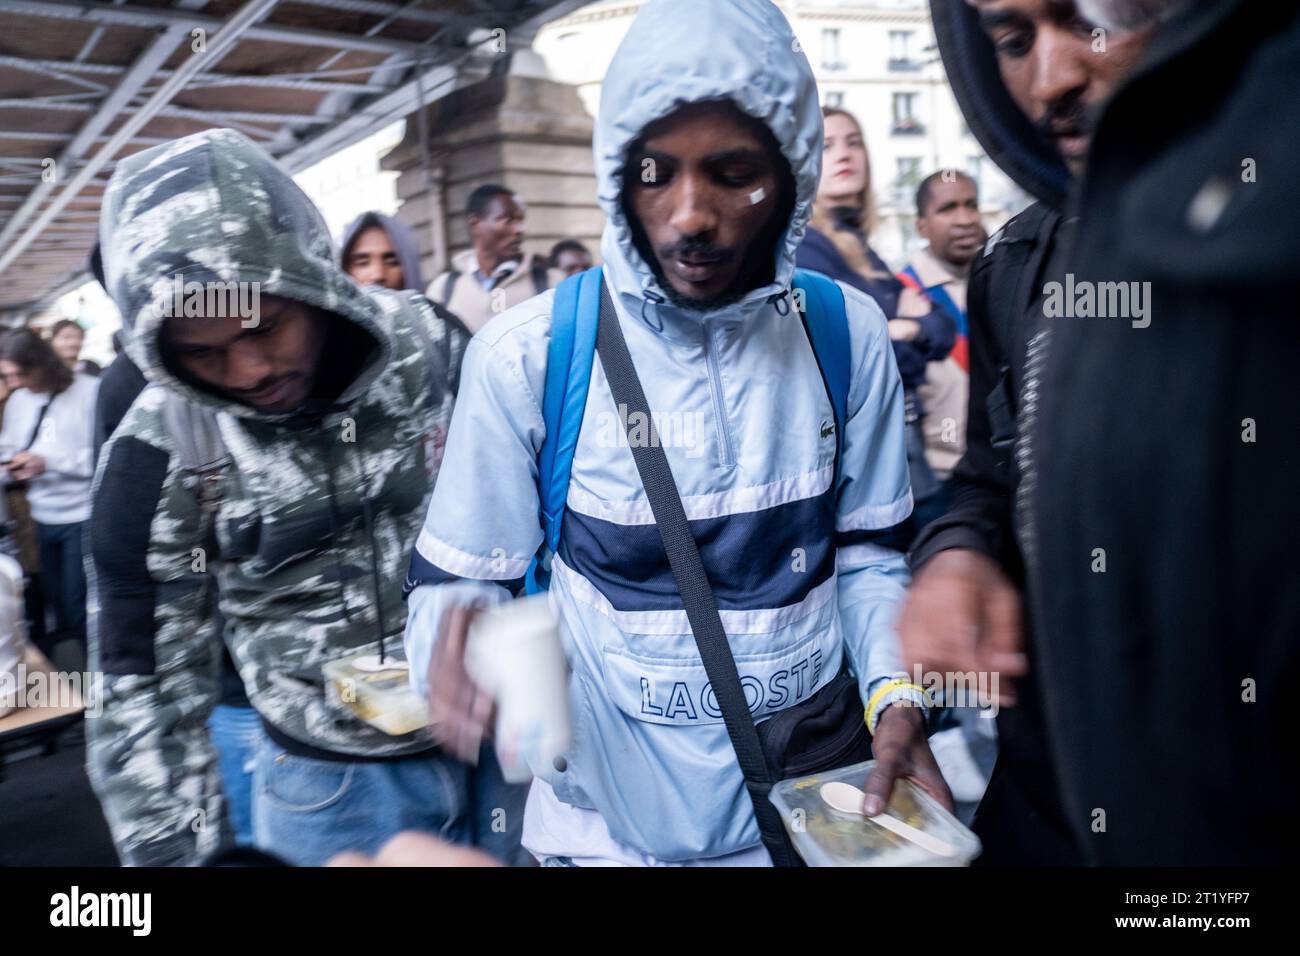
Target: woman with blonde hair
(837, 243)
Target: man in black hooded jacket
(1165, 496)
(1029, 76)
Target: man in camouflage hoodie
(331, 405)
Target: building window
(831, 50)
(905, 121)
(901, 54)
(909, 174)
(834, 98)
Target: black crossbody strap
(692, 581)
(449, 287)
(40, 420)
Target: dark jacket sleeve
(980, 515)
(153, 637)
(938, 335)
(118, 388)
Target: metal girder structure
(435, 82)
(213, 80)
(249, 116)
(153, 57)
(426, 87)
(68, 70)
(41, 136)
(57, 69)
(57, 219)
(393, 11)
(12, 244)
(163, 17)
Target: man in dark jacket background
(1028, 77)
(1164, 507)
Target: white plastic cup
(515, 655)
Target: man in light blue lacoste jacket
(708, 150)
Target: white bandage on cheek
(757, 196)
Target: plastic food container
(826, 837)
(378, 694)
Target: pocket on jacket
(301, 784)
(565, 782)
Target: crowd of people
(890, 480)
(47, 414)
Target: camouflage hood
(215, 208)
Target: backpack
(536, 271)
(574, 316)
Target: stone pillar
(520, 129)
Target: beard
(1126, 16)
(689, 304)
(651, 256)
(695, 247)
(759, 258)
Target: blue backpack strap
(574, 317)
(827, 321)
(940, 297)
(937, 295)
(910, 279)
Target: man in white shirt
(948, 218)
(495, 274)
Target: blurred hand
(904, 330)
(416, 849)
(459, 710)
(962, 614)
(900, 749)
(26, 466)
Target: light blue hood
(687, 51)
(792, 534)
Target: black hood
(996, 122)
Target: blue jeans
(63, 577)
(498, 810)
(306, 811)
(235, 733)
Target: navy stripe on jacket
(755, 559)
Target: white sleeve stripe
(718, 504)
(876, 517)
(674, 622)
(855, 555)
(495, 567)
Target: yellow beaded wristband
(882, 691)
